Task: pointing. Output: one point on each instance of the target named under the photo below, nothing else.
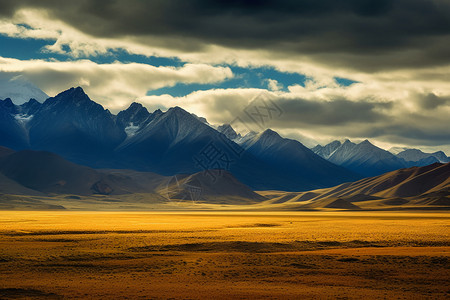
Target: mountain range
(70, 146)
(42, 180)
(369, 160)
(168, 143)
(177, 142)
(420, 158)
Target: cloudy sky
(376, 69)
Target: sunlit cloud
(113, 85)
(400, 71)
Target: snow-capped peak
(228, 131)
(264, 139)
(416, 155)
(20, 90)
(327, 150)
(397, 150)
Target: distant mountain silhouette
(296, 160)
(363, 158)
(415, 157)
(176, 141)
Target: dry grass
(224, 255)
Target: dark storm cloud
(409, 134)
(7, 8)
(360, 34)
(369, 119)
(432, 101)
(338, 112)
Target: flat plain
(224, 255)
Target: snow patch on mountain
(327, 150)
(241, 140)
(131, 130)
(228, 131)
(23, 119)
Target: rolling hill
(43, 173)
(415, 187)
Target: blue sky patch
(243, 78)
(344, 81)
(26, 49)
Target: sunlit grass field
(225, 254)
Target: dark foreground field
(343, 255)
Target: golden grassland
(224, 255)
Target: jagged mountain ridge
(369, 160)
(420, 157)
(171, 142)
(293, 157)
(228, 131)
(168, 137)
(363, 158)
(327, 150)
(134, 118)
